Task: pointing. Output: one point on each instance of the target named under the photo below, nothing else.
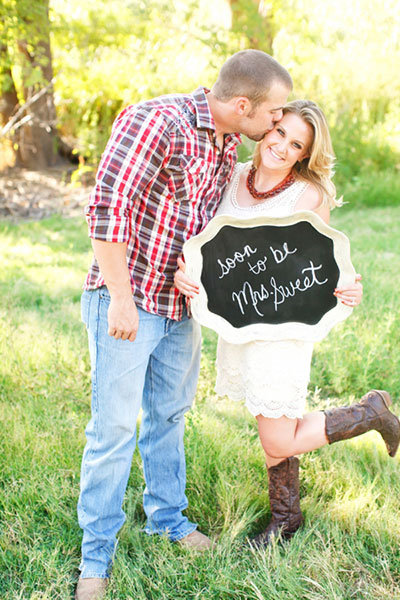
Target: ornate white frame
(265, 331)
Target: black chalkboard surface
(264, 278)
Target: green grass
(349, 547)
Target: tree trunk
(8, 97)
(8, 106)
(38, 137)
(251, 19)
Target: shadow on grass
(27, 294)
(56, 232)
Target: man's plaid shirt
(159, 182)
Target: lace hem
(291, 397)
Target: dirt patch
(34, 195)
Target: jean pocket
(85, 306)
(104, 294)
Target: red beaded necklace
(280, 187)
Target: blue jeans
(158, 372)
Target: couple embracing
(168, 168)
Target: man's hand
(123, 318)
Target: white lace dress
(271, 377)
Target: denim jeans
(158, 372)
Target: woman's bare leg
(270, 461)
(286, 437)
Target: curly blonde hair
(317, 168)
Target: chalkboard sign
(269, 278)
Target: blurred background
(89, 60)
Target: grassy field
(350, 545)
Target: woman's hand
(183, 283)
(352, 294)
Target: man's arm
(123, 317)
(132, 160)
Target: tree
(8, 98)
(253, 22)
(27, 100)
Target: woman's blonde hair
(317, 168)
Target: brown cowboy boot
(283, 487)
(372, 412)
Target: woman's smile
(286, 143)
(275, 154)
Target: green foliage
(349, 546)
(346, 58)
(23, 27)
(374, 188)
(110, 54)
(367, 169)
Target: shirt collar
(204, 118)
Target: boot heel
(385, 397)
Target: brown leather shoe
(284, 500)
(92, 588)
(196, 541)
(372, 412)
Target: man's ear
(242, 106)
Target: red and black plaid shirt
(159, 182)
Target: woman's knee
(277, 449)
(277, 436)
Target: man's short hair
(250, 73)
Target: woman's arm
(311, 200)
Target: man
(159, 182)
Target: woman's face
(287, 143)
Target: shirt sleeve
(133, 157)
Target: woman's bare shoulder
(311, 199)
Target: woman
(292, 166)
